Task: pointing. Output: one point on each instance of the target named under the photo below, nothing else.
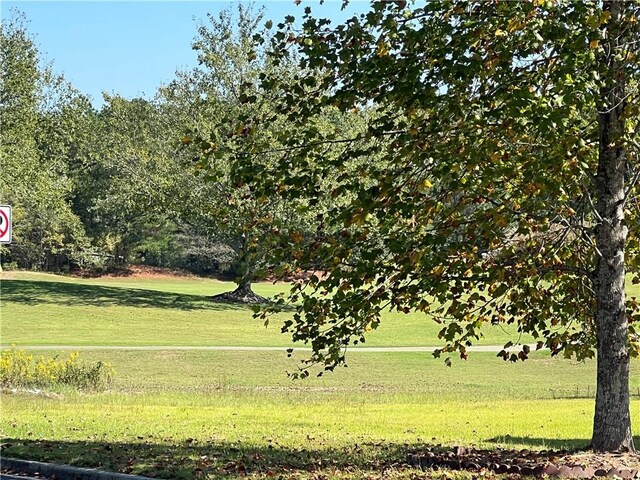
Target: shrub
(18, 369)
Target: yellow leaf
(438, 270)
(499, 33)
(594, 44)
(424, 186)
(514, 24)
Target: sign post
(5, 224)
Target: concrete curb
(63, 472)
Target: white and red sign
(5, 224)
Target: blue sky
(130, 48)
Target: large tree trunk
(612, 421)
(244, 268)
(242, 294)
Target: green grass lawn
(167, 434)
(42, 309)
(231, 414)
(378, 375)
(169, 409)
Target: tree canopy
(507, 194)
(48, 234)
(225, 95)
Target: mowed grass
(378, 376)
(168, 435)
(169, 409)
(232, 414)
(43, 309)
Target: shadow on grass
(192, 459)
(215, 459)
(72, 294)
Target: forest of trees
(98, 189)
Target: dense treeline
(98, 189)
(83, 182)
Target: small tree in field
(508, 193)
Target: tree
(34, 106)
(212, 102)
(508, 192)
(124, 188)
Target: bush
(19, 369)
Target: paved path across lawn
(478, 348)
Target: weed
(19, 369)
